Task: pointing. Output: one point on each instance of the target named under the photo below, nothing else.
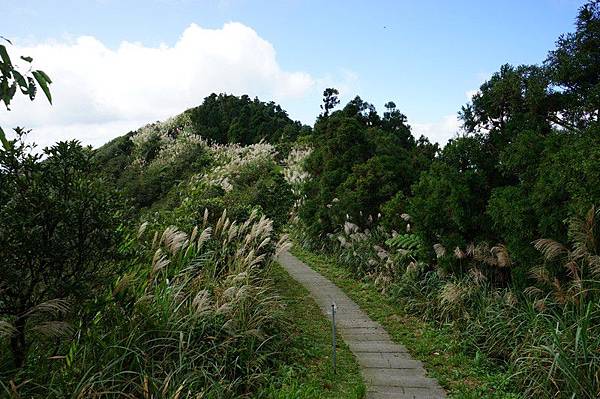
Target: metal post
(333, 335)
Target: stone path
(387, 368)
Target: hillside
(149, 163)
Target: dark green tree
(58, 232)
(330, 100)
(574, 67)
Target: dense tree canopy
(231, 119)
(360, 161)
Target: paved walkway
(387, 368)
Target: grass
(309, 374)
(462, 374)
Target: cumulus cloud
(100, 92)
(439, 131)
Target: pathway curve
(387, 368)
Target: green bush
(58, 228)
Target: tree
(574, 66)
(330, 100)
(449, 201)
(11, 80)
(360, 161)
(227, 118)
(58, 232)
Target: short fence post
(333, 346)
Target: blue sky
(424, 55)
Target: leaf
(4, 55)
(46, 77)
(32, 89)
(21, 81)
(27, 58)
(3, 139)
(2, 37)
(43, 80)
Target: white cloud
(470, 93)
(440, 131)
(100, 93)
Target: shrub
(58, 228)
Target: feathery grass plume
(451, 294)
(257, 260)
(142, 229)
(478, 277)
(202, 325)
(220, 222)
(205, 218)
(174, 239)
(580, 261)
(533, 291)
(224, 228)
(350, 228)
(439, 250)
(459, 254)
(233, 230)
(194, 234)
(502, 256)
(159, 262)
(54, 329)
(283, 244)
(540, 274)
(204, 236)
(123, 282)
(190, 249)
(470, 250)
(51, 307)
(549, 248)
(381, 253)
(583, 233)
(510, 298)
(294, 173)
(155, 240)
(249, 221)
(6, 329)
(229, 293)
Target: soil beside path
(387, 368)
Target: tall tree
(574, 67)
(330, 100)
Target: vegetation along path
(387, 368)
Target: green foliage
(448, 205)
(463, 374)
(360, 161)
(58, 232)
(392, 212)
(330, 100)
(341, 143)
(12, 79)
(574, 66)
(229, 119)
(527, 161)
(411, 242)
(255, 186)
(191, 315)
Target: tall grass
(194, 316)
(547, 334)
